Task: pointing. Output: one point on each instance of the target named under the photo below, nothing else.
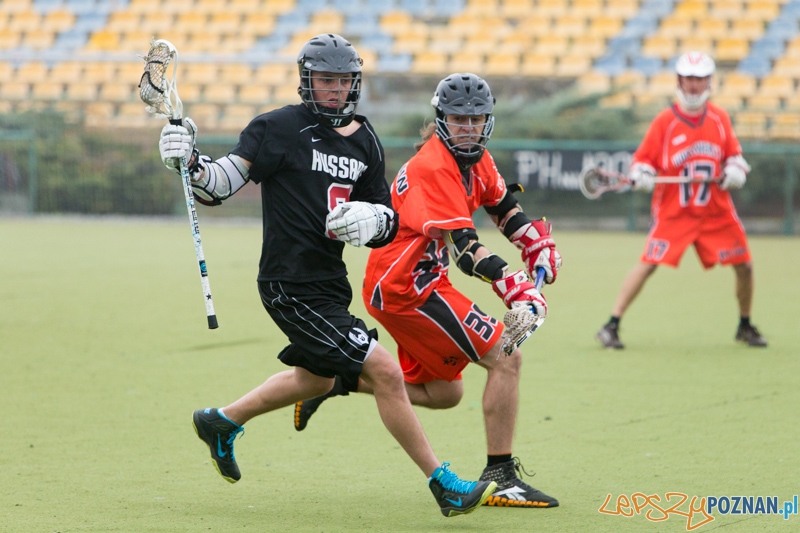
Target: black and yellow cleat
(511, 490)
(219, 433)
(456, 496)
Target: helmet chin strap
(692, 102)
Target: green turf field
(104, 354)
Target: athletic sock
(614, 320)
(744, 321)
(492, 460)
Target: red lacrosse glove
(538, 249)
(516, 289)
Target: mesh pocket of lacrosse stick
(521, 322)
(156, 89)
(594, 182)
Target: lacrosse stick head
(595, 181)
(520, 324)
(157, 87)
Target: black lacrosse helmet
(467, 95)
(329, 52)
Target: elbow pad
(220, 178)
(462, 245)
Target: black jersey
(304, 169)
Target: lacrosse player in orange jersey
(692, 138)
(406, 288)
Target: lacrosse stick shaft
(540, 272)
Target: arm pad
(463, 245)
(221, 179)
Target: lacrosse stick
(520, 322)
(594, 182)
(161, 96)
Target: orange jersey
(676, 145)
(430, 196)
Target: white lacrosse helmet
(697, 65)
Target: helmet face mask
(694, 65)
(464, 121)
(328, 63)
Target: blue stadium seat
(782, 28)
(291, 22)
(791, 9)
(377, 41)
(625, 46)
(46, 6)
(309, 6)
(395, 63)
(378, 7)
(447, 8)
(758, 66)
(270, 45)
(84, 7)
(657, 8)
(90, 22)
(347, 7)
(415, 7)
(640, 26)
(611, 64)
(647, 65)
(71, 40)
(768, 47)
(359, 24)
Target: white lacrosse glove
(734, 173)
(538, 248)
(517, 290)
(177, 142)
(357, 223)
(642, 176)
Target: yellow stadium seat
(792, 103)
(115, 91)
(32, 71)
(14, 90)
(569, 25)
(260, 24)
(572, 66)
(370, 59)
(395, 22)
(534, 64)
(327, 21)
(785, 126)
(762, 102)
(135, 41)
(219, 93)
(255, 94)
(589, 45)
(38, 39)
(236, 117)
(482, 7)
(630, 80)
(480, 43)
(727, 9)
(211, 6)
(277, 7)
(775, 85)
(713, 28)
(729, 102)
(750, 124)
(25, 21)
(691, 10)
(516, 42)
(410, 44)
(747, 28)
(206, 116)
(9, 39)
(732, 49)
(6, 70)
(199, 72)
(587, 8)
(132, 115)
(47, 90)
(235, 73)
(663, 83)
(244, 6)
(16, 6)
(738, 84)
(465, 62)
(762, 10)
(593, 82)
(553, 8)
(130, 71)
(58, 21)
(100, 71)
(200, 42)
(81, 91)
(446, 41)
(144, 6)
(516, 9)
(658, 101)
(657, 46)
(502, 64)
(551, 45)
(676, 27)
(190, 92)
(192, 21)
(157, 23)
(286, 94)
(276, 74)
(429, 63)
(621, 8)
(622, 99)
(605, 26)
(787, 66)
(696, 43)
(535, 24)
(231, 44)
(177, 6)
(225, 22)
(103, 41)
(123, 21)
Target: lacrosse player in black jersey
(321, 171)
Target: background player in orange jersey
(692, 138)
(406, 287)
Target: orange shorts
(719, 239)
(439, 338)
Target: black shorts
(325, 338)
